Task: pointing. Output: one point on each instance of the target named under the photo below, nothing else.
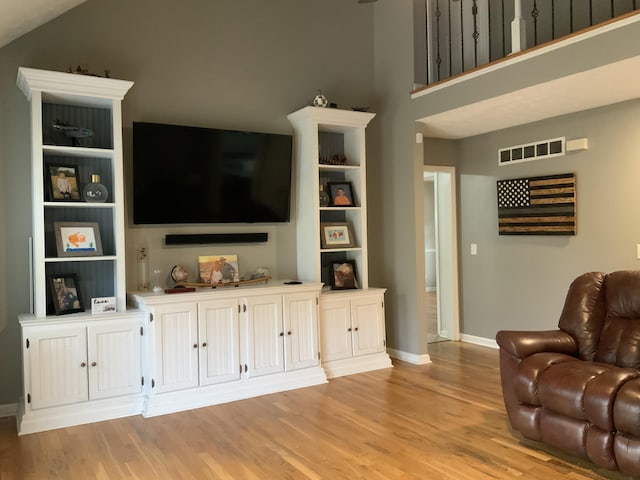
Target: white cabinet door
(264, 334)
(219, 338)
(335, 329)
(367, 319)
(175, 338)
(114, 358)
(57, 359)
(301, 330)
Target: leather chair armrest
(521, 344)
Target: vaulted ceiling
(18, 17)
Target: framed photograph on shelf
(62, 182)
(65, 293)
(343, 275)
(336, 235)
(218, 269)
(341, 194)
(77, 239)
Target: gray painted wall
(224, 63)
(519, 282)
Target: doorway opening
(440, 254)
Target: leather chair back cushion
(620, 339)
(584, 312)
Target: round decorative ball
(179, 274)
(320, 101)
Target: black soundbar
(204, 238)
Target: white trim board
(413, 358)
(485, 342)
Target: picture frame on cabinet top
(78, 239)
(336, 235)
(65, 293)
(62, 182)
(343, 275)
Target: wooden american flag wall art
(537, 205)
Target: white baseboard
(409, 357)
(9, 410)
(485, 342)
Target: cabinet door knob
(204, 344)
(83, 364)
(349, 329)
(288, 333)
(356, 329)
(93, 364)
(282, 334)
(195, 345)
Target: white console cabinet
(352, 333)
(218, 345)
(79, 370)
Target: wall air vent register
(554, 147)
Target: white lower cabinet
(219, 340)
(352, 332)
(220, 345)
(79, 370)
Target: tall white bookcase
(86, 102)
(77, 368)
(352, 324)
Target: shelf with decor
(77, 184)
(331, 228)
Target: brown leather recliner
(578, 388)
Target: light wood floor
(445, 420)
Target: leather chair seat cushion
(578, 389)
(626, 411)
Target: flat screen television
(185, 174)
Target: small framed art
(65, 293)
(343, 275)
(336, 235)
(341, 194)
(62, 182)
(77, 239)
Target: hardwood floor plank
(442, 421)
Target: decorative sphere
(320, 101)
(179, 274)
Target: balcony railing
(465, 34)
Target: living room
(230, 65)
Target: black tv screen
(187, 174)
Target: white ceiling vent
(554, 147)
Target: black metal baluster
(461, 36)
(571, 16)
(613, 13)
(438, 57)
(553, 19)
(504, 39)
(590, 12)
(475, 34)
(450, 38)
(534, 13)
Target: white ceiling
(18, 17)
